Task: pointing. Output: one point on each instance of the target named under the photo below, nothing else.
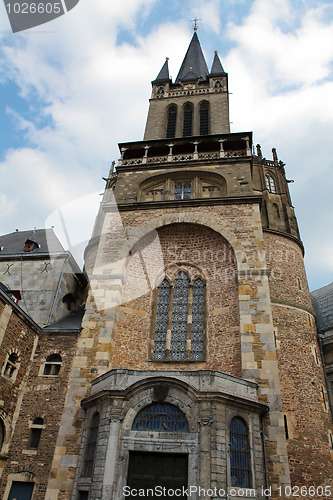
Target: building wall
(303, 389)
(38, 396)
(42, 283)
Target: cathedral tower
(197, 365)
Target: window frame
(36, 429)
(11, 366)
(51, 365)
(92, 430)
(248, 453)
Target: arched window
(185, 320)
(239, 453)
(188, 118)
(11, 366)
(270, 183)
(2, 433)
(171, 122)
(91, 446)
(204, 118)
(36, 432)
(161, 417)
(52, 365)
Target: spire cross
(195, 21)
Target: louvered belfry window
(204, 119)
(180, 311)
(161, 417)
(171, 122)
(188, 118)
(239, 454)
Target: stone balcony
(185, 149)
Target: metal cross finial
(195, 21)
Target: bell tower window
(188, 119)
(171, 122)
(204, 119)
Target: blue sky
(70, 90)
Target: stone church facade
(197, 363)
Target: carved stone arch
(201, 220)
(180, 394)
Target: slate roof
(322, 301)
(14, 243)
(217, 68)
(163, 75)
(69, 323)
(194, 61)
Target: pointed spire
(193, 62)
(217, 68)
(163, 75)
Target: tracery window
(188, 119)
(239, 453)
(52, 364)
(270, 183)
(161, 417)
(171, 122)
(180, 310)
(204, 119)
(182, 190)
(36, 432)
(91, 446)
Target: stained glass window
(162, 320)
(182, 191)
(239, 454)
(91, 446)
(161, 417)
(187, 191)
(197, 332)
(179, 318)
(173, 313)
(178, 191)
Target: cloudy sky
(71, 89)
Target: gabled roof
(217, 68)
(163, 75)
(14, 243)
(194, 61)
(322, 301)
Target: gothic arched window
(91, 446)
(188, 119)
(204, 118)
(161, 417)
(240, 469)
(171, 121)
(270, 183)
(180, 310)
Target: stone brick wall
(39, 396)
(303, 391)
